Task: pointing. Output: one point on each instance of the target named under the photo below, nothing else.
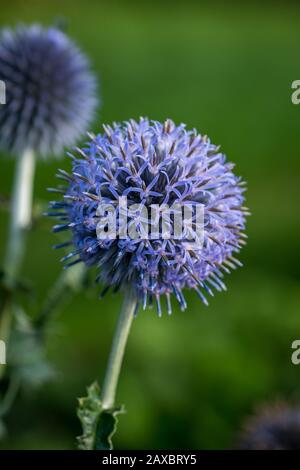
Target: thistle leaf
(26, 353)
(98, 424)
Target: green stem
(118, 349)
(5, 320)
(10, 395)
(68, 283)
(20, 219)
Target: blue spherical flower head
(146, 164)
(50, 91)
(275, 427)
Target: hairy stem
(118, 349)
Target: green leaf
(98, 424)
(27, 354)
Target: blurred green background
(188, 380)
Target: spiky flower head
(273, 428)
(149, 162)
(50, 91)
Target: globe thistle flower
(273, 428)
(153, 163)
(50, 91)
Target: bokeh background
(188, 380)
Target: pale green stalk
(20, 220)
(20, 216)
(117, 350)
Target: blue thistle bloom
(274, 427)
(153, 163)
(50, 91)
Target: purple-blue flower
(153, 163)
(275, 427)
(50, 90)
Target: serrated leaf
(98, 424)
(106, 428)
(26, 353)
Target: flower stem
(118, 349)
(10, 395)
(68, 283)
(20, 219)
(5, 320)
(21, 212)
